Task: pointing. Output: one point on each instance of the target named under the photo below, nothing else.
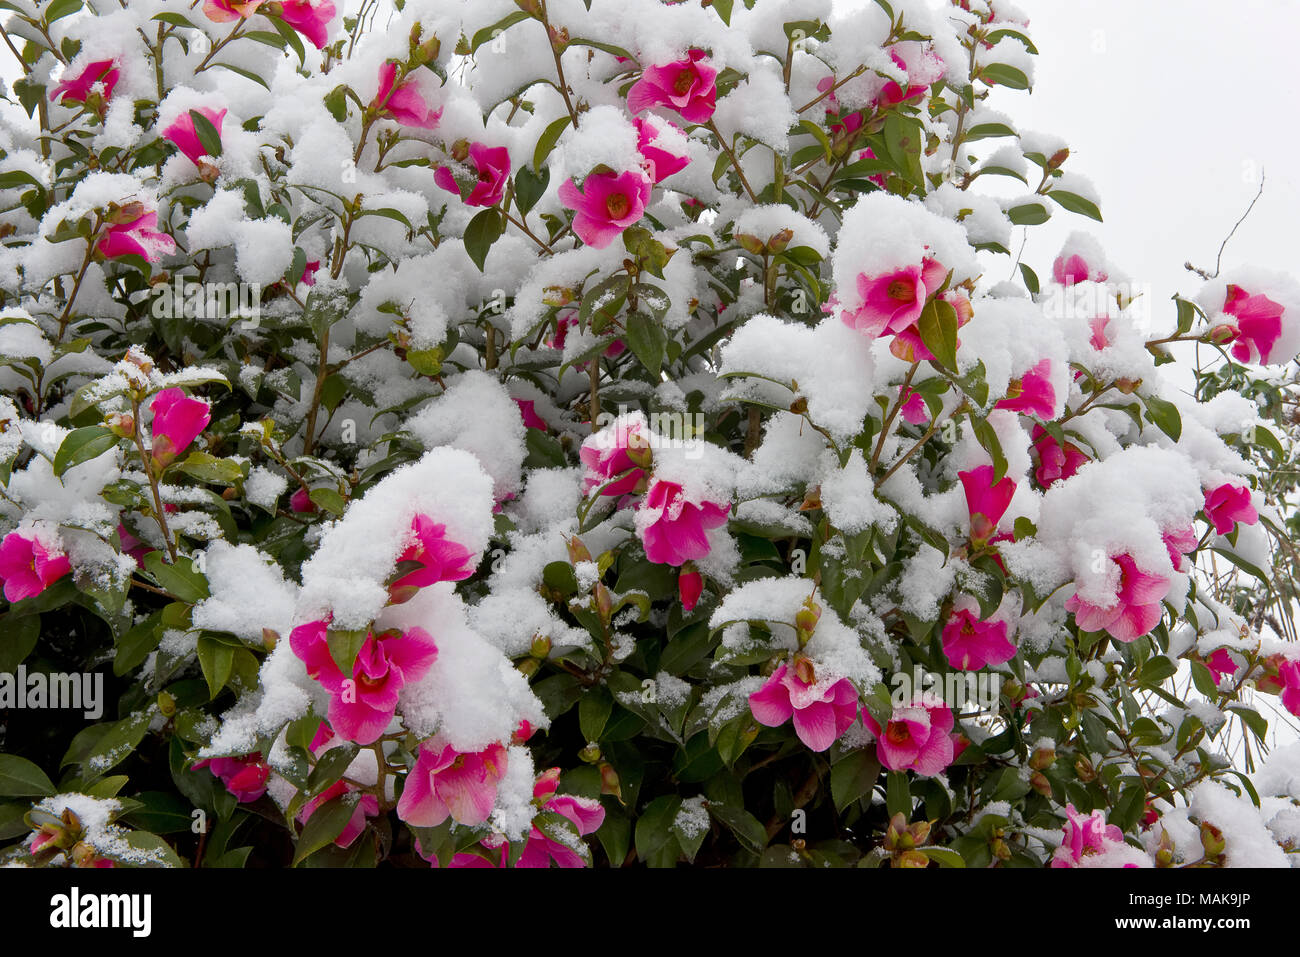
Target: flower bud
(1042, 758)
(1038, 781)
(121, 424)
(609, 782)
(577, 551)
(1083, 768)
(639, 450)
(270, 638)
(1212, 841)
(166, 704)
(1127, 386)
(1058, 158)
(1222, 334)
(912, 859)
(541, 646)
(803, 669)
(590, 754)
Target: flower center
(897, 732)
(685, 80)
(902, 291)
(617, 205)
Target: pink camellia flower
(28, 566)
(892, 302)
(660, 163)
(924, 68)
(690, 585)
(1135, 609)
(311, 20)
(181, 132)
(1056, 462)
(688, 86)
(1068, 270)
(135, 235)
(300, 501)
(586, 814)
(607, 204)
(362, 705)
(492, 164)
(913, 408)
(1227, 505)
(822, 709)
(528, 412)
(446, 782)
(1099, 325)
(443, 559)
(1289, 677)
(917, 737)
(986, 500)
(1179, 543)
(1084, 837)
(244, 777)
(309, 273)
(98, 77)
(403, 104)
(1220, 663)
(673, 528)
(223, 11)
(1259, 325)
(970, 644)
(622, 449)
(177, 421)
(367, 807)
(1032, 393)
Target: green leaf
(898, 795)
(20, 778)
(207, 133)
(20, 635)
(853, 776)
(987, 437)
(647, 340)
(182, 579)
(1164, 415)
(216, 658)
(945, 856)
(937, 327)
(247, 74)
(325, 824)
(1204, 680)
(593, 711)
(58, 9)
(336, 101)
(1076, 203)
(546, 142)
(329, 499)
(1029, 214)
(1004, 74)
(749, 832)
(209, 468)
(82, 445)
(345, 644)
(654, 826)
(530, 187)
(1031, 279)
(483, 230)
(488, 33)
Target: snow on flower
(1227, 505)
(1033, 393)
(822, 708)
(448, 783)
(1133, 610)
(131, 232)
(607, 204)
(687, 86)
(402, 101)
(1084, 837)
(672, 528)
(182, 133)
(917, 737)
(586, 815)
(96, 79)
(489, 177)
(29, 564)
(244, 777)
(177, 421)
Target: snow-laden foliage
(531, 432)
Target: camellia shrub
(590, 432)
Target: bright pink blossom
(913, 408)
(1179, 543)
(688, 86)
(607, 204)
(528, 412)
(893, 301)
(660, 163)
(300, 501)
(970, 643)
(917, 737)
(1135, 609)
(1220, 663)
(822, 709)
(182, 133)
(622, 449)
(311, 20)
(1100, 326)
(1228, 505)
(1085, 836)
(28, 566)
(177, 421)
(443, 560)
(1032, 393)
(924, 68)
(1289, 678)
(363, 704)
(244, 777)
(492, 172)
(136, 237)
(586, 814)
(672, 527)
(1056, 462)
(1259, 325)
(223, 11)
(690, 585)
(446, 782)
(1068, 270)
(97, 77)
(404, 103)
(986, 500)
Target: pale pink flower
(673, 528)
(1135, 609)
(586, 814)
(1072, 269)
(1228, 505)
(660, 163)
(223, 11)
(403, 104)
(822, 709)
(892, 301)
(444, 560)
(969, 643)
(917, 737)
(492, 172)
(28, 566)
(181, 132)
(177, 421)
(136, 236)
(1032, 393)
(311, 20)
(362, 705)
(446, 782)
(1259, 325)
(688, 86)
(1056, 463)
(97, 77)
(1085, 836)
(607, 204)
(620, 449)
